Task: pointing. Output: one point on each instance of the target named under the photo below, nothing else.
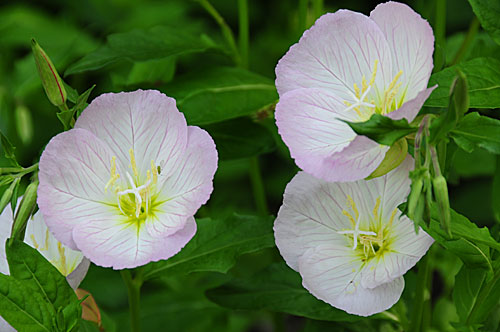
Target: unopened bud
(393, 158)
(24, 211)
(51, 81)
(441, 194)
(413, 198)
(7, 194)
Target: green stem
(317, 8)
(258, 186)
(303, 6)
(422, 281)
(225, 29)
(134, 297)
(469, 37)
(243, 31)
(19, 170)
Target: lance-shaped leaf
(382, 129)
(27, 265)
(221, 93)
(488, 11)
(277, 288)
(23, 308)
(141, 45)
(476, 131)
(483, 77)
(216, 245)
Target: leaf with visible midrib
(220, 94)
(479, 131)
(483, 78)
(27, 265)
(277, 288)
(216, 245)
(141, 45)
(23, 308)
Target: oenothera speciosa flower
(347, 67)
(348, 241)
(123, 185)
(70, 263)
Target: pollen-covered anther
(355, 232)
(113, 174)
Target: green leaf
(468, 283)
(22, 308)
(141, 45)
(65, 117)
(277, 288)
(81, 102)
(216, 245)
(383, 129)
(488, 12)
(459, 104)
(470, 243)
(240, 138)
(27, 265)
(495, 200)
(477, 131)
(483, 77)
(221, 93)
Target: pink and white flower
(124, 184)
(348, 241)
(347, 67)
(71, 263)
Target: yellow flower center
(137, 200)
(375, 240)
(384, 103)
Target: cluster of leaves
(232, 262)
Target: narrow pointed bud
(51, 81)
(24, 211)
(7, 194)
(441, 194)
(393, 158)
(416, 189)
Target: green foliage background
(231, 277)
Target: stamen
(34, 241)
(61, 251)
(154, 170)
(133, 164)
(375, 208)
(391, 219)
(356, 91)
(114, 176)
(374, 73)
(352, 205)
(351, 219)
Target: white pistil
(355, 233)
(136, 191)
(359, 102)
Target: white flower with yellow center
(71, 263)
(348, 66)
(348, 241)
(124, 184)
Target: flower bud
(24, 211)
(393, 158)
(52, 83)
(7, 194)
(441, 194)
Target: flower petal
(5, 327)
(146, 121)
(329, 270)
(336, 52)
(309, 122)
(6, 221)
(366, 302)
(120, 244)
(187, 187)
(410, 109)
(358, 160)
(310, 216)
(63, 258)
(74, 170)
(411, 42)
(76, 277)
